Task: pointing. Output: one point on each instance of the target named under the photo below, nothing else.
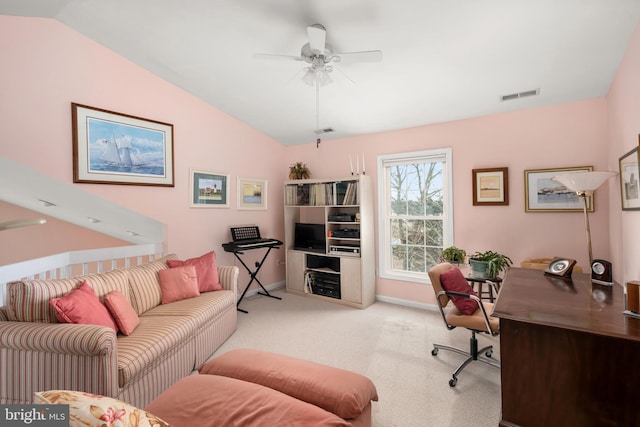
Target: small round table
(488, 293)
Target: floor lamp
(584, 184)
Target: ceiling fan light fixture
(309, 77)
(323, 77)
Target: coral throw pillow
(92, 410)
(82, 306)
(206, 268)
(178, 283)
(122, 312)
(453, 280)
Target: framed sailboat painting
(115, 148)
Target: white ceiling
(442, 60)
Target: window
(415, 212)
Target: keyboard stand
(254, 276)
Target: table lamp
(584, 184)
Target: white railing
(76, 263)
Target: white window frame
(384, 207)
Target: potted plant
(454, 255)
(488, 264)
(299, 171)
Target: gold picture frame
(542, 194)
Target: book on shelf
(308, 282)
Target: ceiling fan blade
(362, 56)
(317, 38)
(344, 75)
(277, 57)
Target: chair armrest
(460, 295)
(488, 328)
(229, 277)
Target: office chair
(477, 320)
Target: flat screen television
(310, 237)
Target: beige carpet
(390, 344)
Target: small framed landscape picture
(252, 194)
(542, 194)
(490, 187)
(629, 181)
(209, 189)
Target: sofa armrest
(54, 356)
(229, 277)
(66, 338)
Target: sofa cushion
(206, 269)
(91, 410)
(213, 401)
(178, 283)
(82, 306)
(120, 309)
(341, 392)
(144, 285)
(28, 300)
(154, 338)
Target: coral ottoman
(248, 387)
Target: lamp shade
(583, 181)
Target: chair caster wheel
(434, 352)
(489, 353)
(453, 382)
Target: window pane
(416, 262)
(399, 258)
(398, 232)
(415, 232)
(434, 233)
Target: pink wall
(52, 238)
(623, 103)
(557, 136)
(46, 66)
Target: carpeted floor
(388, 343)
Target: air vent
(524, 94)
(323, 131)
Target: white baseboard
(382, 298)
(406, 303)
(271, 287)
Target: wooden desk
(569, 356)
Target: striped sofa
(37, 353)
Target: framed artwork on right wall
(543, 194)
(629, 181)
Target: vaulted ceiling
(441, 60)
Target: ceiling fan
(320, 55)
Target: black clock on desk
(601, 272)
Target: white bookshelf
(345, 207)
